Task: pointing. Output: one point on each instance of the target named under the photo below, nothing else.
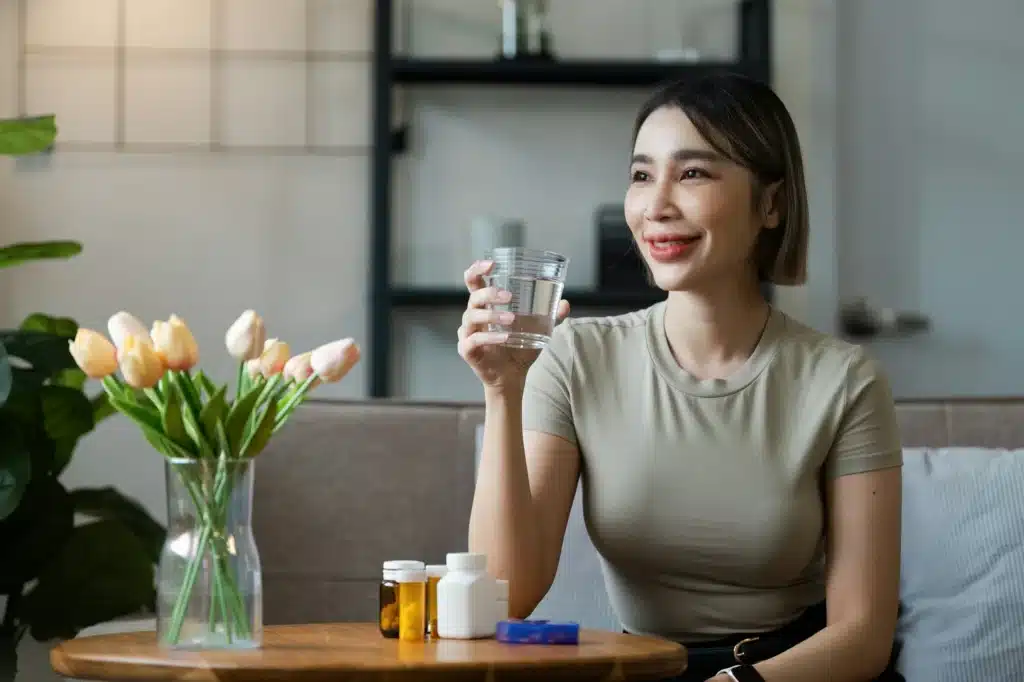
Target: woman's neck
(713, 332)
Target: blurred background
(217, 155)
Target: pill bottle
(388, 595)
(412, 604)
(434, 575)
(466, 598)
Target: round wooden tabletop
(356, 652)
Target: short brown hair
(745, 121)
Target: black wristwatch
(742, 673)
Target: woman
(741, 472)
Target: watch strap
(742, 673)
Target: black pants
(707, 658)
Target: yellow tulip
(93, 353)
(275, 355)
(245, 337)
(140, 364)
(332, 361)
(298, 368)
(174, 343)
(122, 325)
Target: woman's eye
(639, 176)
(695, 173)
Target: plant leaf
(30, 536)
(102, 572)
(152, 428)
(67, 413)
(59, 326)
(101, 408)
(170, 414)
(24, 252)
(15, 468)
(261, 434)
(46, 353)
(238, 417)
(207, 385)
(109, 503)
(6, 376)
(27, 135)
(215, 410)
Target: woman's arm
(862, 595)
(524, 491)
(863, 505)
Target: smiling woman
(740, 471)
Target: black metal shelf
(754, 18)
(443, 297)
(597, 73)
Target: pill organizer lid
(466, 561)
(537, 632)
(436, 570)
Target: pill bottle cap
(436, 570)
(400, 565)
(410, 575)
(502, 590)
(466, 561)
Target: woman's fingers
(488, 296)
(469, 345)
(474, 274)
(479, 317)
(562, 311)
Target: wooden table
(356, 652)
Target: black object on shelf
(533, 71)
(442, 297)
(754, 60)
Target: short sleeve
(868, 437)
(547, 406)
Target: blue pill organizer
(537, 632)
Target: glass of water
(535, 279)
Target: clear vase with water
(209, 579)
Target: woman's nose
(659, 203)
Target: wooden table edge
(668, 664)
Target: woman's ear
(771, 205)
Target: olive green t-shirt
(704, 497)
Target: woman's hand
(497, 366)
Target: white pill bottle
(466, 598)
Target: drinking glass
(535, 279)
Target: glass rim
(531, 254)
(205, 460)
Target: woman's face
(690, 210)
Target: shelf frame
(754, 59)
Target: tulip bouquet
(209, 440)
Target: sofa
(348, 485)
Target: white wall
(206, 235)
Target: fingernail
(504, 295)
(506, 318)
(485, 263)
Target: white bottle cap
(436, 570)
(502, 590)
(410, 575)
(390, 567)
(466, 561)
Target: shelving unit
(754, 59)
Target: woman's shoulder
(813, 354)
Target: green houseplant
(57, 576)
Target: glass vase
(209, 580)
